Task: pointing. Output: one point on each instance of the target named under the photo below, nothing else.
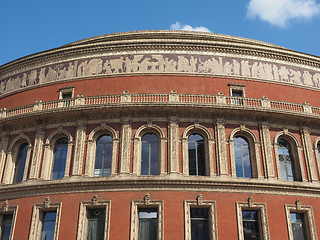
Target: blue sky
(32, 26)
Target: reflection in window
(199, 224)
(96, 221)
(48, 225)
(318, 147)
(20, 163)
(298, 226)
(148, 224)
(242, 157)
(6, 227)
(103, 156)
(250, 225)
(59, 157)
(150, 154)
(196, 155)
(286, 160)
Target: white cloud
(280, 12)
(179, 26)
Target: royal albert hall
(160, 135)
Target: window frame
(146, 203)
(36, 220)
(307, 212)
(95, 203)
(197, 157)
(9, 210)
(54, 159)
(149, 159)
(212, 214)
(261, 209)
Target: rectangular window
(48, 225)
(298, 226)
(96, 223)
(6, 226)
(148, 223)
(251, 228)
(199, 224)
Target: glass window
(199, 224)
(6, 227)
(20, 163)
(250, 225)
(286, 160)
(242, 157)
(148, 224)
(298, 226)
(103, 156)
(59, 158)
(96, 221)
(318, 147)
(48, 225)
(196, 154)
(150, 154)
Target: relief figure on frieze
(307, 78)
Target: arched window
(103, 156)
(286, 160)
(242, 157)
(59, 158)
(196, 153)
(20, 163)
(149, 154)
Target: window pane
(199, 224)
(242, 157)
(286, 160)
(250, 225)
(149, 154)
(96, 224)
(196, 154)
(148, 224)
(103, 156)
(6, 227)
(60, 157)
(298, 226)
(48, 225)
(20, 163)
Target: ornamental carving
(213, 65)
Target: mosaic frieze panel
(166, 63)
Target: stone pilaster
(221, 149)
(37, 153)
(3, 151)
(173, 148)
(79, 149)
(125, 146)
(307, 149)
(266, 150)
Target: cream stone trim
(79, 146)
(266, 150)
(200, 203)
(64, 90)
(37, 215)
(209, 141)
(48, 153)
(316, 153)
(221, 148)
(254, 147)
(296, 154)
(146, 203)
(37, 153)
(125, 146)
(307, 211)
(3, 152)
(91, 148)
(95, 203)
(11, 158)
(308, 154)
(148, 128)
(261, 208)
(237, 87)
(6, 210)
(173, 145)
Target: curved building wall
(174, 86)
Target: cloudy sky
(31, 26)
